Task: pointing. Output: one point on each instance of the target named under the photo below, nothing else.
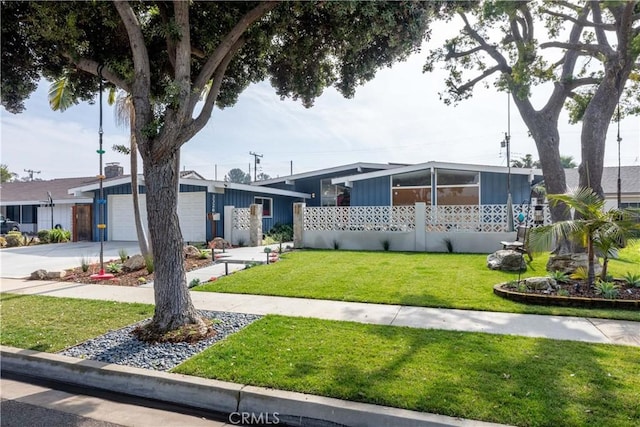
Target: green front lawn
(504, 379)
(460, 281)
(52, 324)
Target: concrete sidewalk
(554, 327)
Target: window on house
(457, 187)
(411, 187)
(267, 204)
(334, 195)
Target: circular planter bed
(628, 297)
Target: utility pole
(31, 172)
(256, 162)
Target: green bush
(148, 262)
(58, 235)
(281, 232)
(114, 268)
(632, 279)
(14, 238)
(608, 290)
(122, 253)
(44, 237)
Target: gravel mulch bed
(123, 348)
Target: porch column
(255, 225)
(298, 225)
(228, 223)
(420, 228)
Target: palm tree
(125, 116)
(60, 98)
(592, 227)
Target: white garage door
(191, 211)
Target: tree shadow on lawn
(494, 378)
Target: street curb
(219, 396)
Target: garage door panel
(191, 213)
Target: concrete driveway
(20, 262)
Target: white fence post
(255, 225)
(298, 225)
(420, 226)
(228, 223)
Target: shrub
(59, 235)
(632, 279)
(84, 263)
(559, 276)
(195, 282)
(148, 262)
(3, 242)
(14, 238)
(581, 273)
(449, 244)
(608, 290)
(281, 232)
(204, 254)
(563, 293)
(122, 253)
(43, 235)
(114, 267)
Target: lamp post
(619, 179)
(506, 143)
(101, 201)
(51, 206)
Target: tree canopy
(592, 49)
(239, 176)
(172, 57)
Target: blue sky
(397, 117)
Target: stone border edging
(540, 299)
(218, 396)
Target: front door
(83, 227)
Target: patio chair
(520, 244)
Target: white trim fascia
(436, 165)
(44, 202)
(326, 171)
(254, 189)
(105, 184)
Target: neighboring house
(28, 203)
(201, 205)
(629, 185)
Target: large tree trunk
(595, 123)
(174, 307)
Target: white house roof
(436, 165)
(211, 186)
(319, 172)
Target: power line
(256, 162)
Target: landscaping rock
(506, 260)
(541, 283)
(38, 275)
(134, 263)
(53, 275)
(219, 243)
(569, 263)
(191, 251)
